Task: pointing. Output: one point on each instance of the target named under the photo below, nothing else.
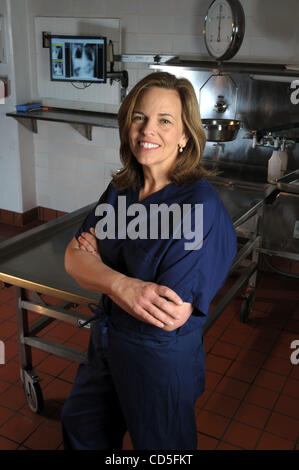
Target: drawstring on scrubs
(99, 314)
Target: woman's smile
(146, 145)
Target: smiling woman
(146, 362)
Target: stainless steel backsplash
(259, 105)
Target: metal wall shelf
(233, 67)
(82, 121)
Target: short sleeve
(196, 275)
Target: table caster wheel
(33, 392)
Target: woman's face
(156, 130)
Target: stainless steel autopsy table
(34, 263)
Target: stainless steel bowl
(220, 130)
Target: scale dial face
(224, 28)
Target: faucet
(268, 140)
(218, 149)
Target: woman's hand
(145, 301)
(151, 303)
(88, 242)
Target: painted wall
(68, 171)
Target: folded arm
(145, 301)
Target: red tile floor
(252, 391)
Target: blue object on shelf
(26, 107)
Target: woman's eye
(165, 121)
(137, 118)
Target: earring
(181, 149)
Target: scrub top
(137, 247)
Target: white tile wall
(119, 8)
(271, 47)
(70, 170)
(109, 168)
(112, 157)
(41, 160)
(88, 9)
(130, 42)
(160, 43)
(157, 7)
(187, 24)
(53, 8)
(62, 197)
(188, 44)
(130, 23)
(155, 24)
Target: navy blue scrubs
(137, 376)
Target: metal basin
(220, 130)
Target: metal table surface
(35, 259)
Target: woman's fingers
(159, 307)
(85, 245)
(148, 318)
(91, 239)
(88, 241)
(166, 307)
(148, 301)
(159, 315)
(168, 293)
(139, 313)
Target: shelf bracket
(83, 129)
(30, 124)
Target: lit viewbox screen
(78, 59)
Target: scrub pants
(144, 380)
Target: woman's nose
(148, 127)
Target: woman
(145, 366)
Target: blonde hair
(187, 167)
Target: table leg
(25, 354)
(29, 378)
(250, 293)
